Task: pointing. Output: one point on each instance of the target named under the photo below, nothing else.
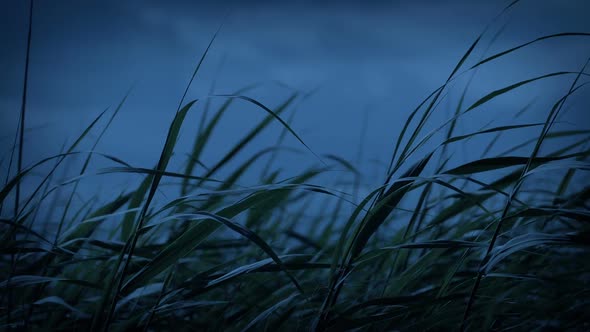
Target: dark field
(331, 166)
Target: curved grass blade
(489, 164)
(266, 313)
(253, 133)
(85, 229)
(385, 206)
(557, 35)
(504, 90)
(254, 238)
(277, 117)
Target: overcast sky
(370, 61)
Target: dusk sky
(370, 61)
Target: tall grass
(481, 246)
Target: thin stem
(21, 132)
(23, 107)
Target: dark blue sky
(373, 59)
